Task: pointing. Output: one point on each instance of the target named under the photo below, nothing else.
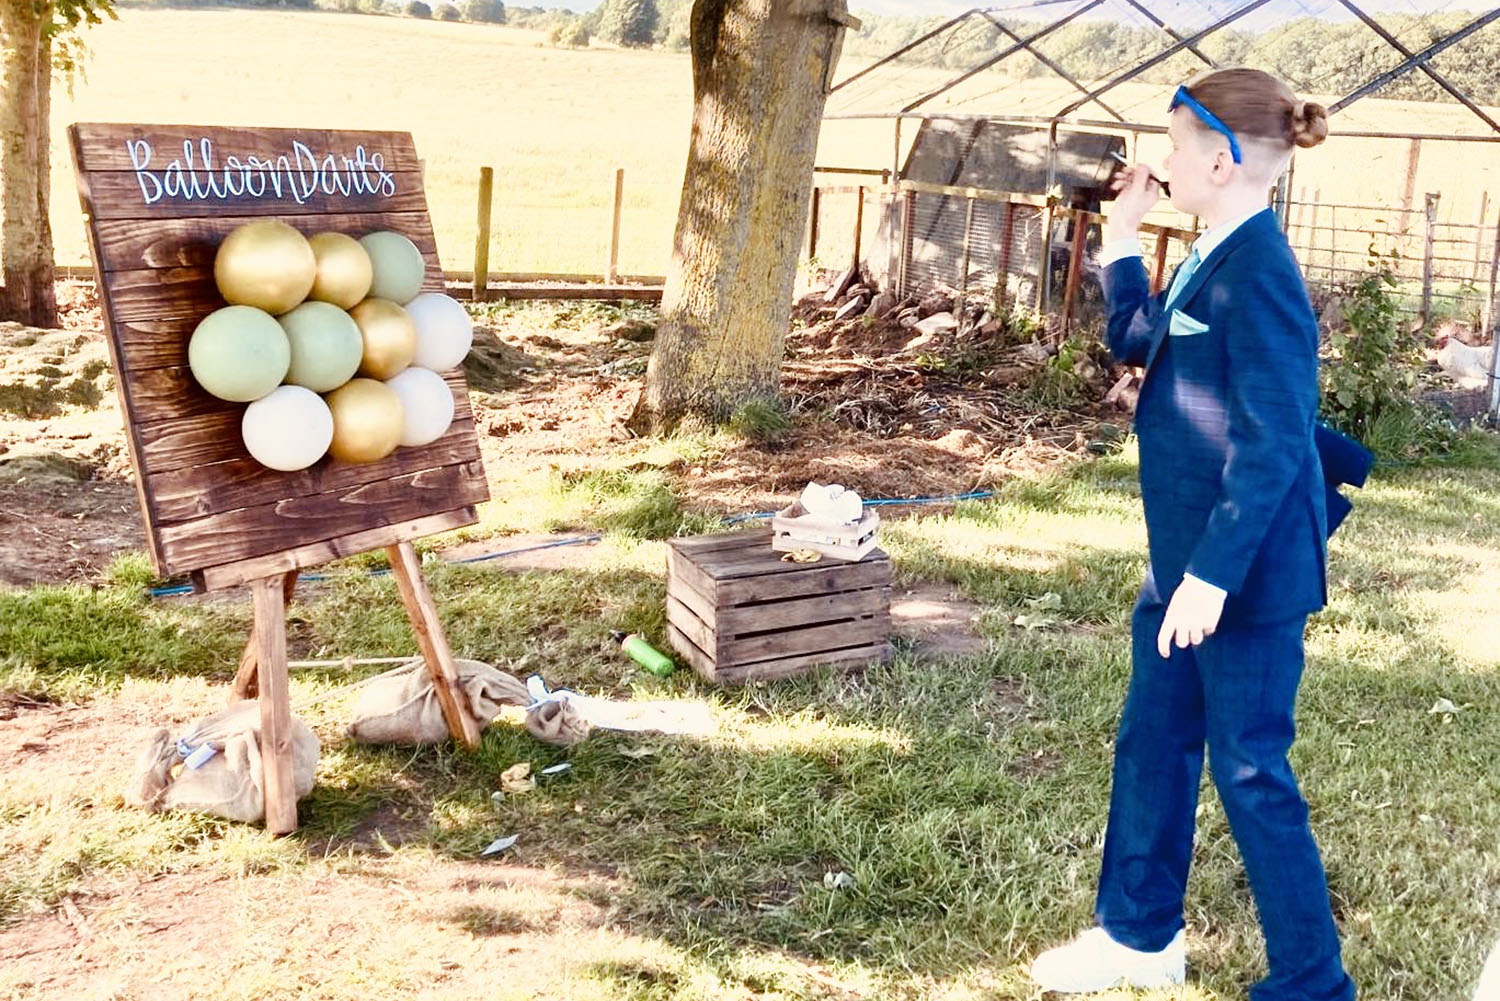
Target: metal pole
(1427, 262)
(481, 289)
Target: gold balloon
(367, 421)
(344, 271)
(390, 337)
(266, 264)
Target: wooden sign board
(157, 202)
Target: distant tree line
(1314, 56)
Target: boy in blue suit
(1236, 519)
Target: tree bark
(760, 72)
(25, 106)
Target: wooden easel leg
(246, 684)
(407, 570)
(269, 596)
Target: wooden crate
(737, 612)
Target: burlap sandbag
(231, 783)
(401, 706)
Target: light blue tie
(1183, 276)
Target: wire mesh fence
(1016, 250)
(1443, 269)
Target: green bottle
(645, 654)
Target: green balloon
(326, 346)
(398, 266)
(239, 353)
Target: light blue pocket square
(1183, 325)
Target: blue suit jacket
(1230, 476)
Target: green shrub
(416, 8)
(448, 12)
(485, 11)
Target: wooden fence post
(963, 267)
(611, 272)
(812, 223)
(1002, 268)
(480, 291)
(1484, 208)
(859, 224)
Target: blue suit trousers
(1235, 694)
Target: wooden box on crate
(793, 529)
(737, 612)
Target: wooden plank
(197, 491)
(128, 244)
(102, 145)
(803, 611)
(296, 521)
(207, 438)
(406, 568)
(316, 553)
(787, 642)
(118, 194)
(702, 605)
(742, 539)
(770, 563)
(275, 705)
(816, 578)
(701, 662)
(784, 667)
(693, 627)
(133, 441)
(247, 678)
(680, 568)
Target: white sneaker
(1094, 962)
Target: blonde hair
(1256, 105)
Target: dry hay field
(555, 123)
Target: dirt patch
(56, 747)
(938, 622)
(326, 931)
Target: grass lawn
(965, 797)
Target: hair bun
(1309, 124)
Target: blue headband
(1207, 118)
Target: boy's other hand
(1138, 192)
(1192, 614)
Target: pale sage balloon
(397, 264)
(239, 353)
(326, 346)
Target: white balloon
(289, 428)
(427, 403)
(444, 331)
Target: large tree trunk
(26, 243)
(760, 73)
